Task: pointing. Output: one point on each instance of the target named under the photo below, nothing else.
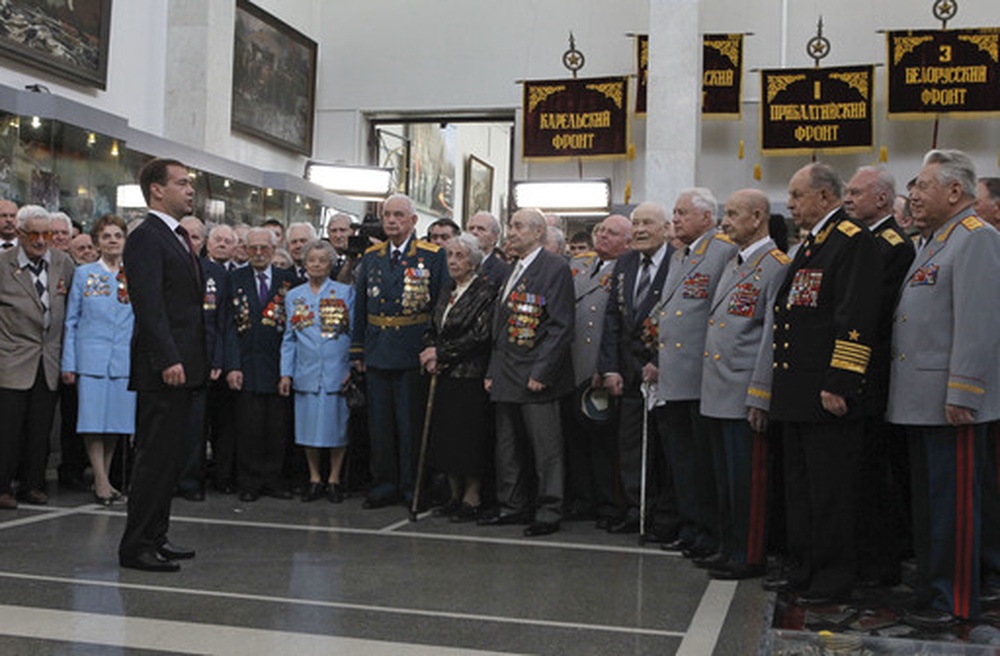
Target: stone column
(673, 121)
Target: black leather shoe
(372, 503)
(173, 552)
(536, 529)
(103, 501)
(780, 584)
(276, 493)
(505, 519)
(676, 546)
(929, 618)
(693, 552)
(192, 495)
(447, 509)
(736, 572)
(248, 497)
(149, 562)
(313, 491)
(603, 523)
(465, 513)
(33, 498)
(625, 526)
(225, 488)
(335, 493)
(715, 561)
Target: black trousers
(73, 455)
(24, 447)
(221, 416)
(161, 422)
(591, 460)
(262, 422)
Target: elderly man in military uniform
(398, 282)
(944, 382)
(826, 319)
(682, 314)
(590, 441)
(884, 473)
(736, 384)
(628, 350)
(529, 371)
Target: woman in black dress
(458, 352)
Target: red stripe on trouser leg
(758, 500)
(962, 584)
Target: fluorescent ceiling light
(129, 196)
(360, 182)
(564, 197)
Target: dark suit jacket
(623, 350)
(533, 334)
(463, 341)
(896, 252)
(826, 320)
(495, 269)
(255, 331)
(166, 293)
(216, 308)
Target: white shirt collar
(752, 248)
(819, 226)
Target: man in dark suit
(883, 497)
(168, 360)
(253, 347)
(628, 352)
(486, 228)
(530, 370)
(826, 318)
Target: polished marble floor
(286, 577)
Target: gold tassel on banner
(741, 149)
(628, 191)
(756, 171)
(630, 152)
(883, 154)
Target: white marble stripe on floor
(706, 625)
(368, 608)
(193, 638)
(50, 513)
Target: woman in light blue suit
(314, 361)
(95, 355)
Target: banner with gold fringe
(943, 71)
(722, 80)
(809, 109)
(642, 72)
(585, 117)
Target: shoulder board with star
(376, 247)
(892, 237)
(586, 257)
(780, 255)
(972, 223)
(848, 228)
(721, 236)
(428, 246)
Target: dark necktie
(394, 258)
(597, 269)
(739, 260)
(8, 245)
(643, 288)
(262, 289)
(36, 273)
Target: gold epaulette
(781, 256)
(892, 237)
(427, 245)
(724, 237)
(972, 223)
(590, 255)
(375, 247)
(848, 228)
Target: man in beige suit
(33, 284)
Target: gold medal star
(854, 335)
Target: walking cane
(646, 389)
(423, 448)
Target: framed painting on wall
(432, 168)
(274, 80)
(478, 187)
(68, 38)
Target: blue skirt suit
(314, 353)
(96, 339)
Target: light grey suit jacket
(683, 315)
(945, 338)
(24, 341)
(738, 353)
(590, 292)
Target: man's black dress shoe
(603, 523)
(505, 519)
(929, 618)
(693, 552)
(536, 529)
(249, 496)
(149, 561)
(277, 493)
(675, 546)
(715, 561)
(173, 552)
(372, 503)
(192, 495)
(225, 488)
(736, 572)
(625, 526)
(780, 584)
(313, 491)
(465, 513)
(446, 509)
